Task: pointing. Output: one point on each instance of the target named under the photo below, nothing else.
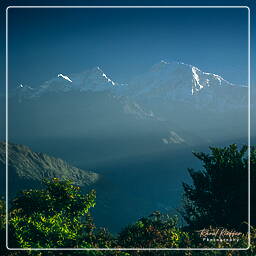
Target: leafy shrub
(219, 194)
(155, 231)
(57, 216)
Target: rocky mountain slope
(27, 169)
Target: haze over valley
(137, 136)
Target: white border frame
(131, 249)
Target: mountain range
(170, 92)
(164, 81)
(138, 135)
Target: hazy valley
(138, 136)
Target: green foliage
(59, 215)
(253, 185)
(55, 217)
(219, 194)
(155, 231)
(162, 231)
(2, 224)
(2, 214)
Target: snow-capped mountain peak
(196, 86)
(168, 81)
(165, 81)
(89, 80)
(65, 77)
(106, 77)
(22, 91)
(164, 62)
(24, 87)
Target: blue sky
(125, 42)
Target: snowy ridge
(164, 81)
(24, 87)
(177, 81)
(196, 86)
(65, 77)
(105, 76)
(90, 80)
